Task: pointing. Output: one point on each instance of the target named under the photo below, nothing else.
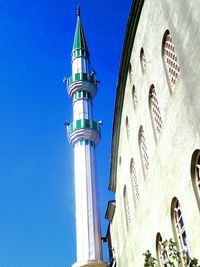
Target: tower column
(87, 230)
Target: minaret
(84, 135)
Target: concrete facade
(169, 154)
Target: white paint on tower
(84, 135)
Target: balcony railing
(81, 77)
(83, 124)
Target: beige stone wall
(170, 158)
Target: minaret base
(90, 264)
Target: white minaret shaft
(84, 135)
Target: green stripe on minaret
(79, 38)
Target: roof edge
(131, 28)
(79, 36)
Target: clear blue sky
(37, 224)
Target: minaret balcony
(81, 81)
(84, 129)
(80, 53)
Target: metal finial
(78, 11)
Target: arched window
(155, 112)
(126, 207)
(143, 151)
(127, 127)
(130, 71)
(142, 60)
(162, 254)
(134, 182)
(120, 160)
(111, 250)
(170, 59)
(179, 229)
(134, 97)
(130, 67)
(195, 174)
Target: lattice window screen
(171, 60)
(143, 60)
(134, 97)
(143, 151)
(155, 112)
(134, 181)
(127, 208)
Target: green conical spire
(79, 38)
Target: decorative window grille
(143, 151)
(180, 230)
(142, 60)
(170, 58)
(126, 206)
(155, 112)
(134, 96)
(134, 181)
(195, 173)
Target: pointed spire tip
(78, 11)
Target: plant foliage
(171, 256)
